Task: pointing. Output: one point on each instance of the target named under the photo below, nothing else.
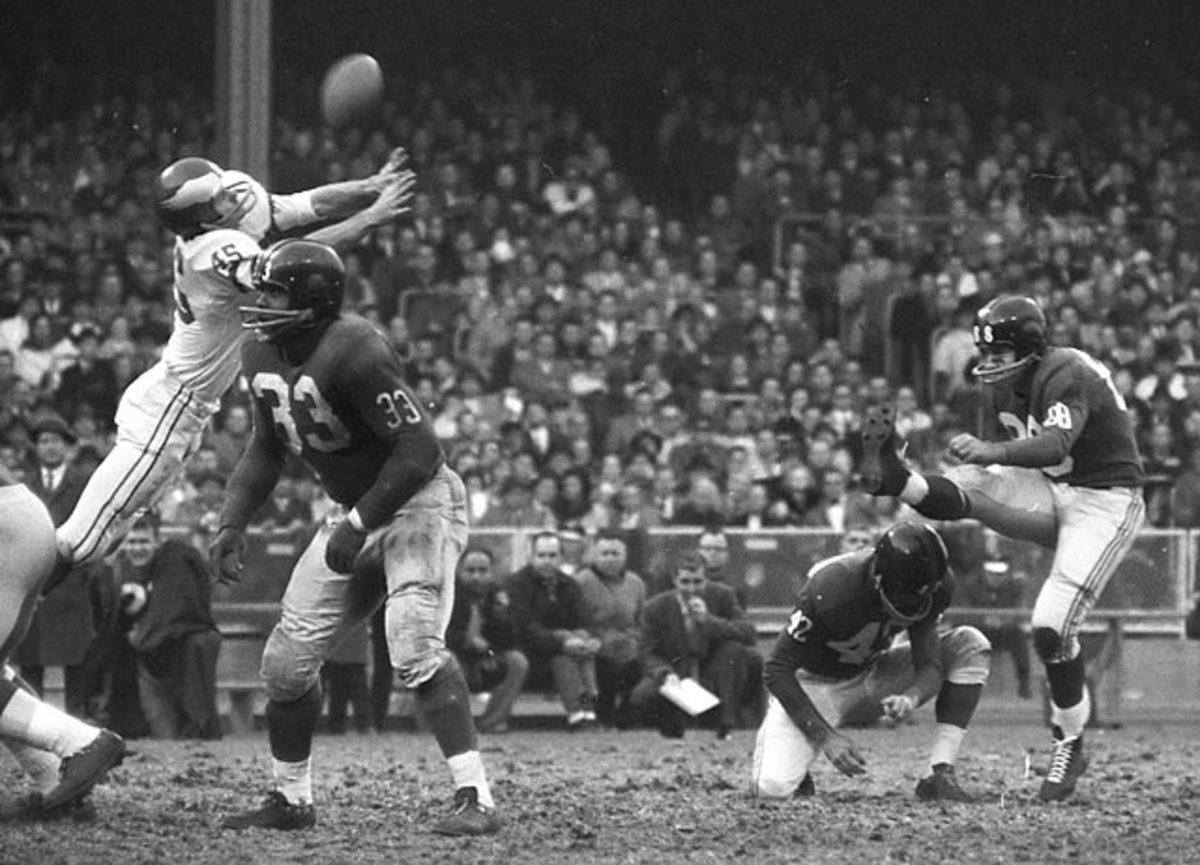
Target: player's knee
(289, 672)
(1048, 644)
(418, 662)
(970, 656)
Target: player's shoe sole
(882, 472)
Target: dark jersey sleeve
(372, 377)
(1064, 407)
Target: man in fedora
(63, 628)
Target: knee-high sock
(445, 703)
(954, 709)
(290, 729)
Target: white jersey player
(220, 217)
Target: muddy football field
(635, 797)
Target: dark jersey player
(865, 641)
(329, 389)
(1069, 477)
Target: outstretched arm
(388, 206)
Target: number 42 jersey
(343, 410)
(839, 626)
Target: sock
(936, 497)
(41, 766)
(28, 720)
(294, 780)
(956, 704)
(1073, 719)
(467, 771)
(446, 706)
(1066, 681)
(290, 726)
(947, 739)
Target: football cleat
(1067, 763)
(883, 472)
(468, 816)
(942, 786)
(276, 813)
(84, 769)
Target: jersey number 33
(301, 415)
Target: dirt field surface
(634, 797)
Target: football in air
(351, 90)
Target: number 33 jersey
(343, 410)
(839, 626)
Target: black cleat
(942, 786)
(276, 813)
(468, 817)
(1067, 763)
(84, 769)
(883, 472)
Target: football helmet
(1008, 322)
(909, 565)
(312, 277)
(194, 195)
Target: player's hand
(393, 199)
(226, 553)
(698, 608)
(969, 449)
(897, 707)
(843, 755)
(397, 159)
(343, 547)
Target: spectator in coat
(165, 589)
(63, 629)
(547, 606)
(613, 600)
(697, 630)
(483, 636)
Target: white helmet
(195, 195)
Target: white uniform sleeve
(291, 211)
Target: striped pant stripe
(116, 506)
(1100, 573)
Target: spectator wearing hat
(63, 628)
(89, 384)
(697, 629)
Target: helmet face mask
(300, 285)
(909, 565)
(1010, 334)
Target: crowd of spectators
(598, 358)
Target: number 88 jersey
(839, 625)
(342, 410)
